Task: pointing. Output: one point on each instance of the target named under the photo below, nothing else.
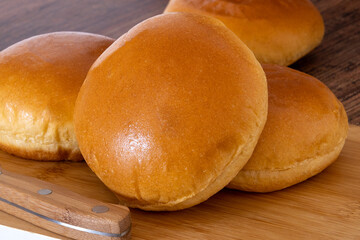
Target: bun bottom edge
(40, 153)
(273, 180)
(238, 161)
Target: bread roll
(305, 132)
(170, 112)
(277, 31)
(39, 81)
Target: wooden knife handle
(61, 211)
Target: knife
(61, 211)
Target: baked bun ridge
(39, 81)
(170, 112)
(277, 31)
(304, 133)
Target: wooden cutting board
(326, 206)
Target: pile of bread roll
(180, 106)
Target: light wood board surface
(326, 206)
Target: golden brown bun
(170, 113)
(277, 31)
(40, 78)
(305, 132)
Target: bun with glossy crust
(304, 133)
(277, 31)
(39, 81)
(171, 111)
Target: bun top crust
(305, 120)
(40, 78)
(46, 72)
(277, 31)
(250, 9)
(168, 107)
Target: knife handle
(59, 210)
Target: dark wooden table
(336, 62)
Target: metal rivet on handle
(44, 191)
(100, 209)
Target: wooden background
(336, 62)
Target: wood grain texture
(63, 206)
(336, 61)
(326, 206)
